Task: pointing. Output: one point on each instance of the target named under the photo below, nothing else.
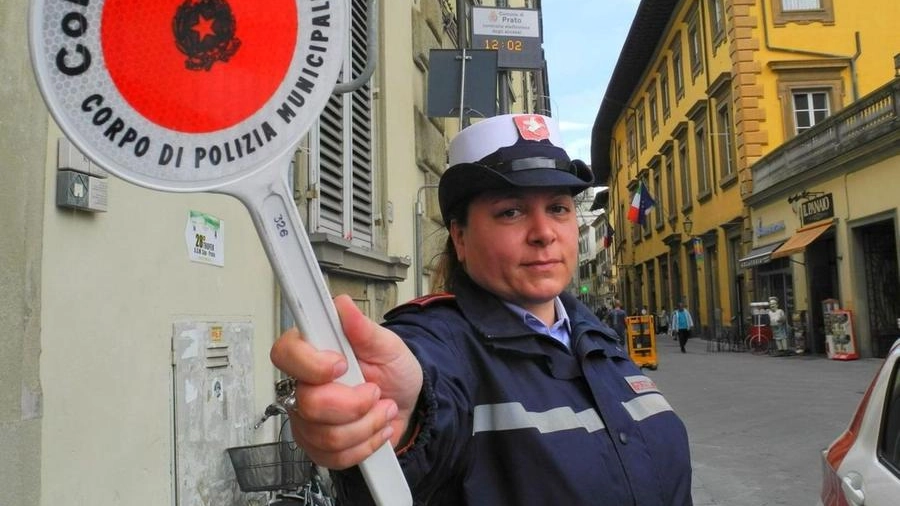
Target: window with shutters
(645, 227)
(668, 156)
(684, 168)
(677, 70)
(725, 141)
(722, 132)
(341, 150)
(717, 20)
(653, 107)
(656, 174)
(704, 186)
(618, 154)
(632, 139)
(695, 45)
(641, 126)
(664, 89)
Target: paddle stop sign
(210, 95)
(186, 94)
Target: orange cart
(641, 341)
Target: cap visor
(465, 180)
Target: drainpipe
(420, 212)
(503, 76)
(853, 78)
(462, 42)
(371, 54)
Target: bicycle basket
(270, 466)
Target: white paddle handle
(268, 198)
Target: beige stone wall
(23, 128)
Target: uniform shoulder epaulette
(421, 303)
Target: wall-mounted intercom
(79, 183)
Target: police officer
(505, 390)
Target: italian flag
(608, 236)
(640, 205)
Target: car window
(889, 447)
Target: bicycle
(734, 338)
(280, 469)
(719, 341)
(731, 341)
(725, 339)
(759, 339)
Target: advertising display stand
(840, 336)
(641, 340)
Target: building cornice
(646, 32)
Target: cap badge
(532, 127)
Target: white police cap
(512, 150)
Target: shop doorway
(882, 288)
(822, 273)
(711, 279)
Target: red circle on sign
(198, 66)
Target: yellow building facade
(825, 236)
(702, 90)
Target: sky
(582, 41)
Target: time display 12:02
(500, 44)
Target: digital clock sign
(514, 33)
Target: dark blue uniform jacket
(510, 417)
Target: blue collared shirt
(560, 330)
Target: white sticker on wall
(205, 238)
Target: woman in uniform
(504, 389)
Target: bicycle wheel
(758, 344)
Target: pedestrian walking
(682, 324)
(617, 320)
(601, 312)
(662, 321)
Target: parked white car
(862, 466)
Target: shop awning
(758, 256)
(802, 238)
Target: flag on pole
(608, 236)
(640, 205)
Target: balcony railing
(864, 121)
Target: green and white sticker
(205, 238)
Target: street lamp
(688, 225)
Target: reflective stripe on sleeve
(645, 406)
(513, 415)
